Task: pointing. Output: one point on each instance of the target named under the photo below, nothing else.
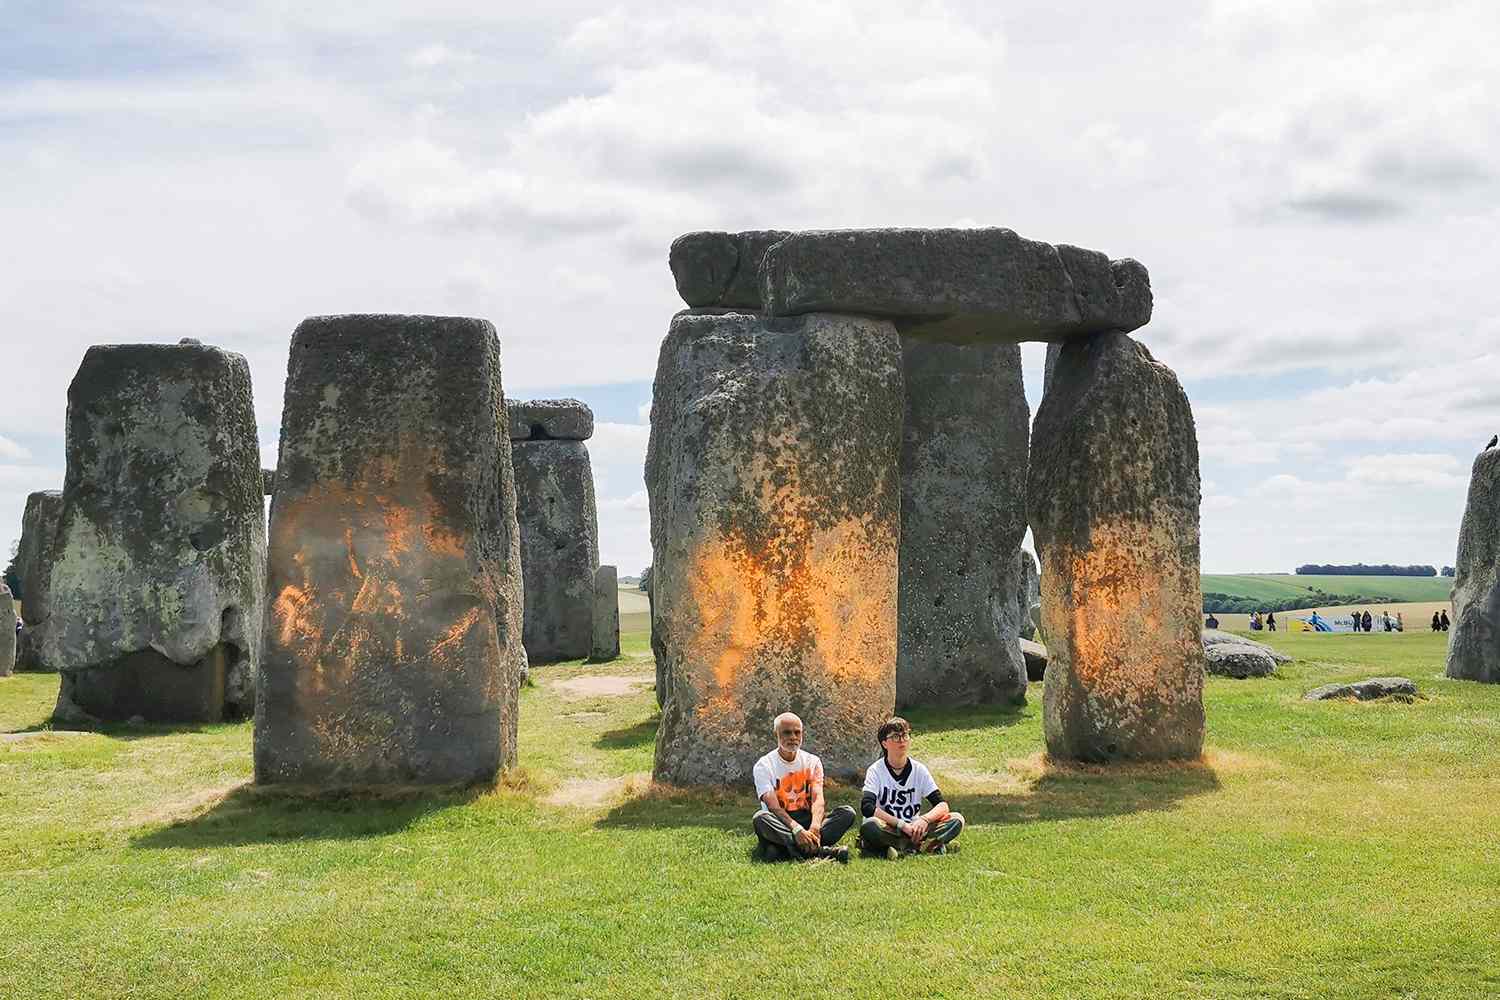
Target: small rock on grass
(1369, 690)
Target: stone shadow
(249, 814)
(1062, 792)
(630, 737)
(939, 720)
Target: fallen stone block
(1114, 495)
(155, 592)
(960, 285)
(1036, 659)
(1238, 660)
(1399, 688)
(963, 514)
(721, 270)
(773, 473)
(393, 647)
(1216, 637)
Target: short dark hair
(894, 726)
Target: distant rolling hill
(1287, 590)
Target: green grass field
(1278, 586)
(1320, 850)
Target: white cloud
(13, 451)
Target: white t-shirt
(792, 780)
(900, 794)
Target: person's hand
(917, 829)
(806, 842)
(817, 835)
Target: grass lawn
(1321, 850)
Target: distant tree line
(1236, 604)
(1448, 571)
(1360, 569)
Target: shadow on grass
(1059, 792)
(942, 720)
(251, 815)
(631, 737)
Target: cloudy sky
(1313, 187)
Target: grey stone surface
(658, 653)
(773, 473)
(1035, 655)
(34, 556)
(606, 645)
(550, 420)
(1399, 688)
(1474, 644)
(721, 270)
(1114, 497)
(1212, 637)
(393, 644)
(7, 632)
(1240, 660)
(1029, 594)
(160, 546)
(959, 285)
(268, 481)
(559, 546)
(963, 513)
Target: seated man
(895, 786)
(789, 783)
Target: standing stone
(963, 514)
(559, 525)
(155, 594)
(961, 285)
(606, 644)
(773, 473)
(393, 651)
(7, 632)
(1474, 645)
(1028, 591)
(1114, 510)
(34, 559)
(658, 652)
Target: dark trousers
(773, 833)
(876, 836)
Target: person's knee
(954, 817)
(845, 813)
(764, 826)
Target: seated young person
(903, 808)
(789, 783)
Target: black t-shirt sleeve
(935, 797)
(867, 805)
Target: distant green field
(1278, 586)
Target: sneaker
(839, 854)
(891, 854)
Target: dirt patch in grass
(185, 808)
(43, 736)
(609, 685)
(595, 793)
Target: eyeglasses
(899, 738)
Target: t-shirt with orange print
(792, 780)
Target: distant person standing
(1437, 626)
(1369, 622)
(1212, 622)
(1385, 620)
(1445, 620)
(1270, 621)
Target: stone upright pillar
(1114, 496)
(606, 644)
(34, 564)
(393, 651)
(7, 632)
(1474, 645)
(559, 525)
(775, 524)
(155, 592)
(963, 514)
